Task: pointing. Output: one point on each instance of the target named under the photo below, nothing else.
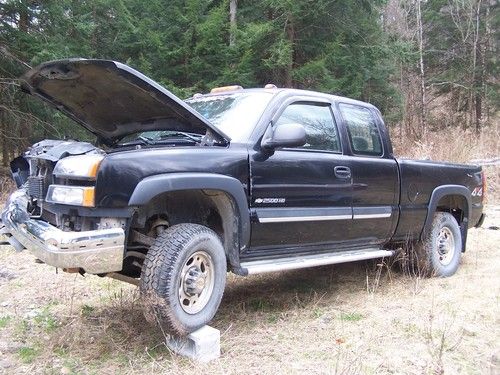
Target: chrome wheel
(445, 246)
(196, 283)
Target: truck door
(302, 196)
(375, 178)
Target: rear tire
(183, 278)
(440, 251)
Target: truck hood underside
(111, 99)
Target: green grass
(4, 321)
(87, 310)
(22, 327)
(351, 317)
(258, 304)
(46, 320)
(273, 318)
(27, 354)
(317, 313)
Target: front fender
(152, 186)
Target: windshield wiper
(146, 140)
(139, 140)
(165, 138)
(192, 136)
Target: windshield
(235, 114)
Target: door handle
(342, 172)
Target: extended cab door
(302, 196)
(375, 175)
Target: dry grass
(454, 145)
(458, 146)
(349, 319)
(6, 187)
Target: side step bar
(305, 261)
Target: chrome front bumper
(96, 251)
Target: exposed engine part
(157, 227)
(138, 237)
(36, 187)
(111, 222)
(136, 254)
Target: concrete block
(202, 345)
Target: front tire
(183, 278)
(440, 251)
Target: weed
(273, 318)
(350, 317)
(87, 310)
(27, 354)
(4, 321)
(317, 312)
(259, 305)
(46, 320)
(440, 339)
(22, 327)
(381, 265)
(60, 351)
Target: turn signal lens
(88, 197)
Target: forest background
(430, 66)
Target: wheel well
(454, 204)
(214, 209)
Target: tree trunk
(478, 71)
(423, 116)
(23, 18)
(290, 35)
(233, 8)
(5, 142)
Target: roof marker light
(225, 88)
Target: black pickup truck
(175, 193)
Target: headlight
(82, 166)
(73, 195)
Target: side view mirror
(286, 135)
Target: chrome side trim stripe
(294, 214)
(302, 218)
(371, 216)
(377, 212)
(314, 260)
(297, 214)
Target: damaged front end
(52, 213)
(34, 170)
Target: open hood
(111, 99)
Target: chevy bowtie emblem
(270, 200)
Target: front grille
(36, 187)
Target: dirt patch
(347, 319)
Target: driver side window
(321, 131)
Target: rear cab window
(362, 129)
